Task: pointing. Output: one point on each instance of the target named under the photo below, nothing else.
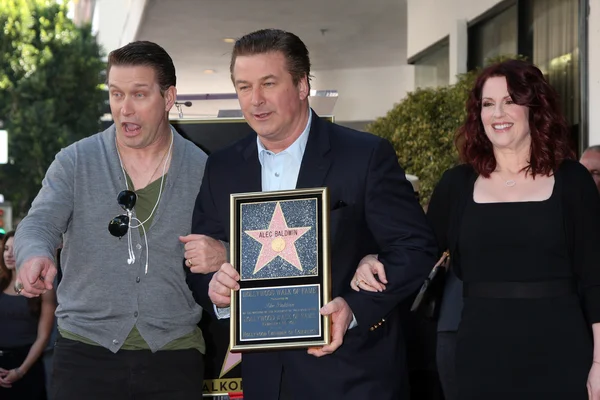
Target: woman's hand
(593, 382)
(364, 277)
(8, 377)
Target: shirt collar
(296, 149)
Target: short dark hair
(271, 41)
(148, 54)
(550, 143)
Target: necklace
(507, 182)
(168, 151)
(158, 165)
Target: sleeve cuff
(354, 323)
(222, 313)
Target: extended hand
(222, 283)
(341, 317)
(364, 277)
(36, 275)
(203, 254)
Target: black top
(18, 327)
(580, 206)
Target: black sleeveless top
(18, 327)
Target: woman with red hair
(521, 219)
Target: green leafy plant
(50, 91)
(422, 128)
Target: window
(556, 50)
(492, 37)
(432, 69)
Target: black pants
(446, 362)
(82, 371)
(32, 385)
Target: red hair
(549, 133)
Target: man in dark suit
(373, 210)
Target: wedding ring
(357, 282)
(189, 262)
(19, 287)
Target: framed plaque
(280, 247)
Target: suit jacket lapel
(317, 156)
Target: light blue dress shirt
(280, 171)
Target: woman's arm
(45, 324)
(593, 383)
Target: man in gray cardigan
(126, 318)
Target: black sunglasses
(119, 225)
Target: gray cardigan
(101, 296)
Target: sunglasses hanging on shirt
(119, 225)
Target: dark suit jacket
(580, 205)
(379, 215)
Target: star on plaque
(278, 241)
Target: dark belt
(520, 290)
(12, 351)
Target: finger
(219, 300)
(189, 246)
(228, 269)
(370, 283)
(354, 285)
(216, 287)
(48, 277)
(31, 280)
(379, 270)
(31, 291)
(333, 306)
(316, 351)
(337, 338)
(367, 286)
(190, 253)
(188, 238)
(226, 280)
(30, 295)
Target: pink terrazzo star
(278, 240)
(231, 360)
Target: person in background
(591, 160)
(25, 327)
(519, 218)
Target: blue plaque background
(282, 312)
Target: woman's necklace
(507, 182)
